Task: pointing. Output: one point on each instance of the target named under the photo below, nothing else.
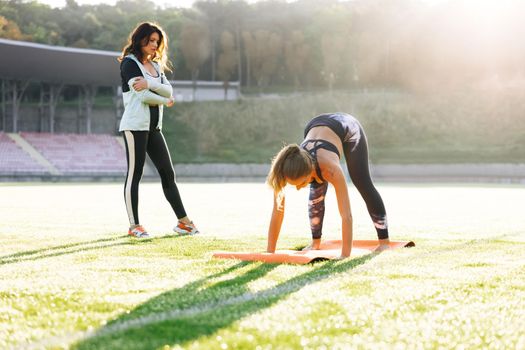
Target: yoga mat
(329, 250)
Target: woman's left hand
(140, 84)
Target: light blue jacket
(136, 114)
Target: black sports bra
(317, 144)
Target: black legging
(138, 143)
(358, 168)
(359, 171)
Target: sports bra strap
(317, 144)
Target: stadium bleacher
(15, 161)
(80, 154)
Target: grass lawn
(70, 278)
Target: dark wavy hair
(139, 37)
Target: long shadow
(63, 249)
(58, 247)
(196, 310)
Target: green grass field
(71, 279)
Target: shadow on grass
(64, 249)
(202, 308)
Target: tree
(332, 45)
(236, 12)
(227, 60)
(213, 18)
(333, 25)
(296, 52)
(195, 47)
(268, 52)
(10, 30)
(249, 54)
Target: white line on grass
(175, 314)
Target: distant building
(51, 68)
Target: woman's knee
(363, 183)
(167, 176)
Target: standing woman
(317, 162)
(146, 91)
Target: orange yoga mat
(329, 250)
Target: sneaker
(186, 229)
(138, 232)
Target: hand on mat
(315, 245)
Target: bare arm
(343, 202)
(275, 225)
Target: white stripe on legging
(131, 168)
(169, 156)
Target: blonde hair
(291, 162)
(141, 34)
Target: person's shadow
(64, 249)
(203, 307)
(77, 247)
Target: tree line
(407, 44)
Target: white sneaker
(186, 229)
(138, 232)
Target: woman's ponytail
(291, 162)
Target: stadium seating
(80, 154)
(15, 161)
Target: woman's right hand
(140, 84)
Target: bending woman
(317, 162)
(146, 90)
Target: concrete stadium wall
(489, 173)
(501, 173)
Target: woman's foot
(315, 245)
(138, 231)
(186, 228)
(384, 244)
